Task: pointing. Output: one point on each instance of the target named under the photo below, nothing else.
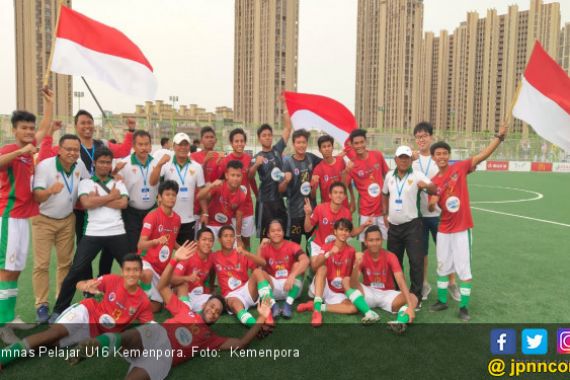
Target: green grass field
(520, 262)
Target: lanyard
(401, 188)
(68, 185)
(422, 167)
(91, 154)
(182, 178)
(145, 174)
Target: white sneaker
(370, 317)
(19, 324)
(454, 292)
(7, 335)
(426, 290)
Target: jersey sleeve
(46, 148)
(316, 216)
(175, 306)
(385, 187)
(383, 164)
(148, 224)
(85, 187)
(200, 176)
(394, 263)
(40, 177)
(123, 149)
(280, 146)
(122, 189)
(465, 166)
(105, 284)
(180, 268)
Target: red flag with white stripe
(308, 111)
(544, 98)
(89, 48)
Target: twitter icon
(534, 341)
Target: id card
(145, 194)
(184, 193)
(399, 204)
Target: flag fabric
(544, 98)
(89, 48)
(318, 112)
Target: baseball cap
(179, 137)
(404, 150)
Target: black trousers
(268, 211)
(409, 237)
(106, 259)
(88, 248)
(133, 220)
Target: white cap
(404, 150)
(179, 137)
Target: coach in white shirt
(401, 201)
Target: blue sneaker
(287, 311)
(53, 318)
(275, 310)
(42, 314)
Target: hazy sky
(190, 45)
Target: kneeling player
(332, 279)
(190, 275)
(183, 335)
(123, 302)
(379, 268)
(286, 266)
(240, 290)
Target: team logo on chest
(453, 204)
(183, 336)
(112, 297)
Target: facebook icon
(503, 342)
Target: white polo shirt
(50, 171)
(404, 195)
(189, 177)
(142, 195)
(427, 166)
(102, 221)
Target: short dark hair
(264, 127)
(439, 145)
(273, 221)
(164, 140)
(79, 113)
(234, 164)
(68, 136)
(206, 129)
(423, 126)
(131, 257)
(337, 184)
(357, 133)
(371, 229)
(219, 298)
(301, 133)
(323, 139)
(18, 116)
(196, 141)
(237, 131)
(204, 230)
(225, 228)
(343, 223)
(102, 151)
(168, 185)
(193, 148)
(141, 133)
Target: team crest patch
(132, 311)
(453, 204)
(107, 321)
(325, 221)
(76, 174)
(183, 336)
(296, 171)
(243, 189)
(160, 228)
(410, 181)
(112, 296)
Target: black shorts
(268, 211)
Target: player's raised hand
(56, 125)
(415, 155)
(349, 166)
(217, 183)
(28, 149)
(161, 240)
(307, 207)
(55, 188)
(164, 159)
(211, 154)
(185, 251)
(264, 242)
(368, 222)
(131, 124)
(119, 166)
(92, 286)
(259, 160)
(503, 129)
(47, 95)
(115, 193)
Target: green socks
(442, 283)
(146, 287)
(264, 290)
(11, 353)
(110, 340)
(465, 290)
(295, 289)
(318, 302)
(402, 316)
(356, 297)
(246, 318)
(8, 294)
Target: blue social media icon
(503, 342)
(534, 341)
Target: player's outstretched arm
(486, 153)
(258, 260)
(263, 308)
(183, 253)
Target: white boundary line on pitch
(536, 197)
(522, 217)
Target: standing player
(379, 268)
(238, 139)
(368, 169)
(158, 240)
(423, 132)
(298, 170)
(286, 266)
(454, 234)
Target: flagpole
(105, 121)
(53, 39)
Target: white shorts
(279, 293)
(198, 298)
(15, 237)
(75, 319)
(242, 294)
(454, 254)
(247, 226)
(380, 298)
(316, 249)
(154, 294)
(376, 221)
(154, 337)
(329, 297)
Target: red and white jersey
(379, 274)
(195, 264)
(187, 332)
(211, 172)
(16, 197)
(245, 159)
(324, 218)
(280, 260)
(224, 204)
(155, 225)
(454, 197)
(339, 266)
(368, 176)
(118, 308)
(231, 270)
(328, 174)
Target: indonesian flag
(86, 47)
(544, 98)
(318, 112)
